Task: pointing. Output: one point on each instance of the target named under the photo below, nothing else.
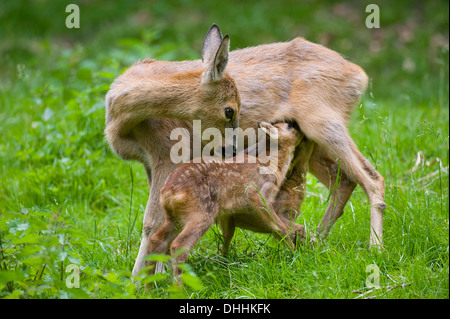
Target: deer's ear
(211, 43)
(216, 64)
(269, 129)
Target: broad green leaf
(62, 256)
(7, 276)
(28, 250)
(158, 257)
(155, 277)
(112, 277)
(191, 280)
(34, 260)
(27, 239)
(16, 294)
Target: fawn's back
(212, 181)
(214, 184)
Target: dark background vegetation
(408, 51)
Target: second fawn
(236, 194)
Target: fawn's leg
(159, 242)
(330, 133)
(290, 197)
(189, 236)
(270, 221)
(280, 230)
(228, 227)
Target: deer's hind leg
(328, 130)
(329, 173)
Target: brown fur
(235, 194)
(296, 80)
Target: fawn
(235, 194)
(306, 82)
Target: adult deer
(292, 81)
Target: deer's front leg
(153, 218)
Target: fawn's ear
(269, 129)
(215, 54)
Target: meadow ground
(66, 199)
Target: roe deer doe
(236, 194)
(292, 81)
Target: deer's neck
(131, 101)
(174, 96)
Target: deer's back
(268, 75)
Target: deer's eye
(229, 113)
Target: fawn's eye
(229, 113)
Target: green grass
(65, 198)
